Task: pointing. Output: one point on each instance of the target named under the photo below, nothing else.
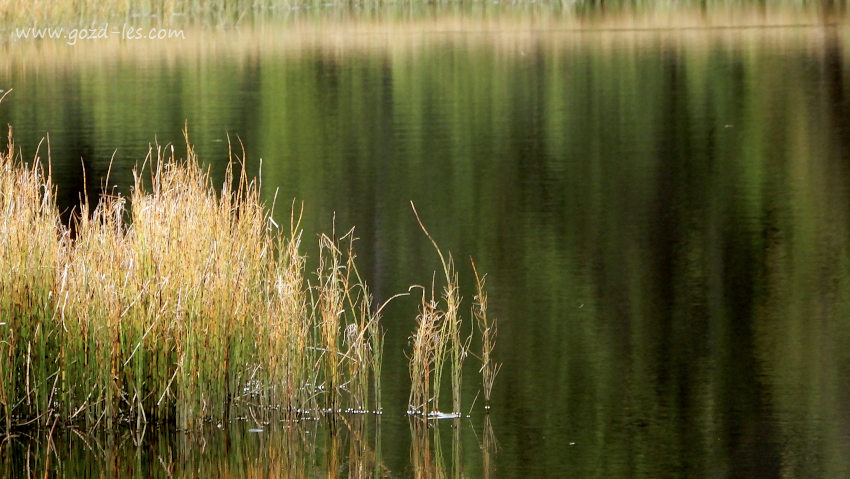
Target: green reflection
(663, 218)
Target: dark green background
(663, 218)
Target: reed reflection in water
(662, 216)
(342, 447)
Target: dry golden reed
(189, 306)
(185, 303)
(437, 340)
(488, 328)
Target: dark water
(664, 218)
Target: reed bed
(30, 236)
(190, 306)
(186, 304)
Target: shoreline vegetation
(511, 32)
(288, 20)
(229, 12)
(179, 304)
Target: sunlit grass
(426, 358)
(437, 340)
(488, 328)
(30, 239)
(186, 303)
(190, 306)
(438, 343)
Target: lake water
(664, 218)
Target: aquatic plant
(189, 306)
(488, 329)
(351, 339)
(437, 339)
(29, 245)
(185, 304)
(425, 362)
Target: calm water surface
(664, 218)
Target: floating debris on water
(435, 414)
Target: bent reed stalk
(437, 340)
(190, 306)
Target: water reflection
(489, 447)
(341, 447)
(430, 457)
(663, 217)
